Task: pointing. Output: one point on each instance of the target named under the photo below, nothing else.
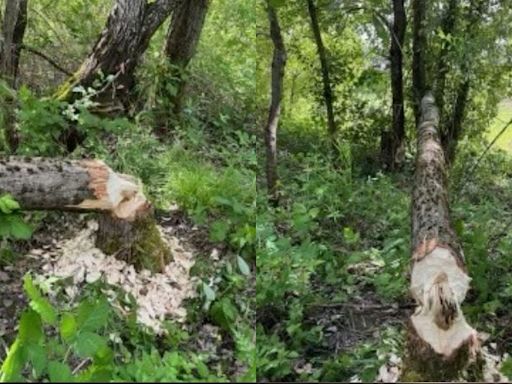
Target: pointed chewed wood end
(119, 194)
(441, 342)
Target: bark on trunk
(441, 344)
(182, 40)
(419, 44)
(278, 64)
(11, 41)
(129, 28)
(392, 142)
(448, 26)
(454, 126)
(127, 228)
(324, 65)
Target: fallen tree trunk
(127, 226)
(441, 344)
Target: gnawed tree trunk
(129, 28)
(278, 64)
(182, 39)
(127, 228)
(324, 66)
(11, 41)
(392, 142)
(419, 45)
(441, 344)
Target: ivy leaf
(30, 328)
(59, 372)
(92, 315)
(208, 292)
(38, 303)
(19, 229)
(243, 266)
(88, 344)
(67, 327)
(13, 363)
(8, 204)
(37, 356)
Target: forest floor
(333, 265)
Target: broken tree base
(424, 364)
(137, 242)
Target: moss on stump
(137, 242)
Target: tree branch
(48, 59)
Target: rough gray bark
(324, 65)
(278, 64)
(182, 39)
(11, 40)
(419, 44)
(440, 342)
(127, 227)
(392, 142)
(127, 34)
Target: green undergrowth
(341, 236)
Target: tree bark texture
(440, 342)
(11, 41)
(126, 36)
(278, 65)
(181, 45)
(324, 66)
(127, 227)
(392, 142)
(419, 45)
(13, 31)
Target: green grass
(504, 116)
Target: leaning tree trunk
(278, 64)
(182, 39)
(419, 45)
(324, 65)
(11, 41)
(392, 142)
(127, 226)
(130, 25)
(441, 344)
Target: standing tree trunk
(452, 125)
(11, 41)
(392, 142)
(324, 65)
(419, 45)
(278, 64)
(127, 227)
(127, 34)
(181, 45)
(443, 65)
(441, 344)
